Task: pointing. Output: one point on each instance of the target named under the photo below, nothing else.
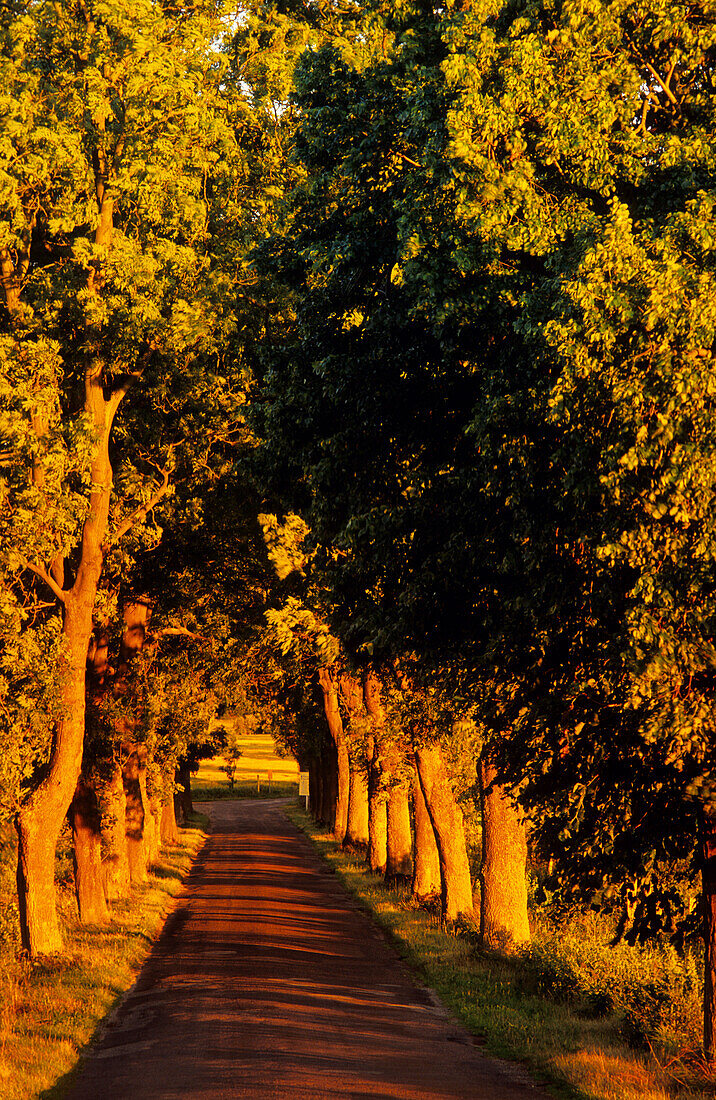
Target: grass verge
(578, 1052)
(50, 1009)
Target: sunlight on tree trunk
(357, 824)
(504, 923)
(399, 863)
(426, 868)
(447, 822)
(329, 689)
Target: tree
(113, 125)
(366, 407)
(583, 145)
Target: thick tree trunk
(168, 829)
(447, 822)
(426, 863)
(357, 823)
(708, 882)
(40, 819)
(134, 775)
(329, 689)
(503, 909)
(115, 861)
(399, 862)
(85, 819)
(40, 931)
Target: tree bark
(152, 822)
(377, 855)
(330, 784)
(168, 828)
(504, 922)
(377, 787)
(426, 862)
(115, 862)
(708, 883)
(134, 776)
(328, 681)
(399, 862)
(357, 823)
(447, 822)
(85, 819)
(183, 798)
(40, 819)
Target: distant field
(258, 759)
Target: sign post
(303, 786)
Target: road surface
(269, 982)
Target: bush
(654, 992)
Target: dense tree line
(433, 285)
(494, 411)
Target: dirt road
(269, 982)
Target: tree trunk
(168, 829)
(329, 688)
(183, 798)
(152, 821)
(708, 881)
(39, 929)
(40, 819)
(377, 856)
(399, 863)
(330, 784)
(447, 822)
(357, 823)
(314, 794)
(503, 908)
(115, 861)
(426, 864)
(85, 820)
(134, 775)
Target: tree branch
(180, 632)
(663, 84)
(41, 572)
(141, 512)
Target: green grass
(257, 762)
(541, 1009)
(50, 1009)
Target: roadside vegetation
(591, 1020)
(51, 1008)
